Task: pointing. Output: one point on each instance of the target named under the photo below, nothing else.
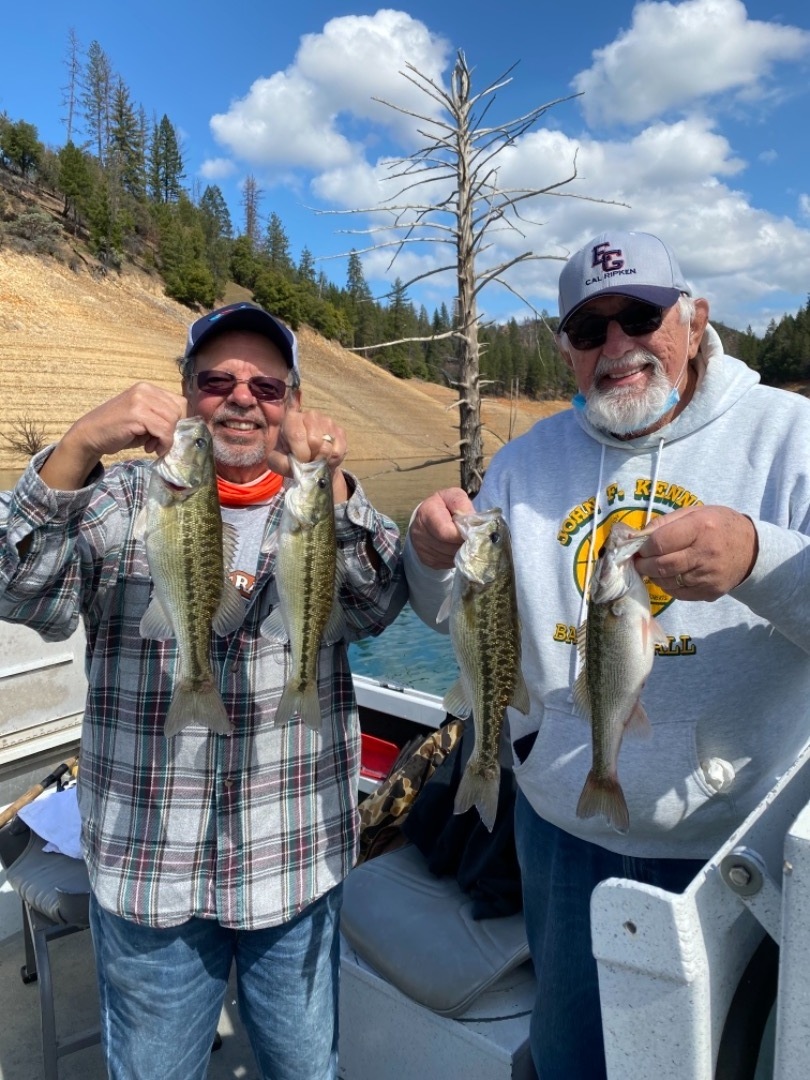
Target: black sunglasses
(222, 383)
(589, 330)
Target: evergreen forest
(123, 196)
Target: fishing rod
(70, 765)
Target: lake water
(407, 653)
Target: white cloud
(674, 55)
(292, 118)
(315, 127)
(217, 168)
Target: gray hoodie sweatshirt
(729, 696)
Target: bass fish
(617, 648)
(307, 614)
(189, 551)
(485, 631)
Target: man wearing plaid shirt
(202, 848)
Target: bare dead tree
(27, 436)
(73, 63)
(470, 205)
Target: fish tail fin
(604, 795)
(303, 700)
(197, 705)
(481, 792)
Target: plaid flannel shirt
(247, 829)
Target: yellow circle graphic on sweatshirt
(636, 518)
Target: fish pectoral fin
(140, 528)
(582, 699)
(231, 611)
(270, 542)
(455, 701)
(520, 695)
(444, 610)
(335, 629)
(638, 723)
(273, 627)
(658, 633)
(155, 622)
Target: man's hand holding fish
(218, 787)
(699, 552)
(706, 633)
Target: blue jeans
(162, 993)
(559, 873)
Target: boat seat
(55, 894)
(417, 931)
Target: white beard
(625, 410)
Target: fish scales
(485, 631)
(491, 658)
(187, 548)
(311, 595)
(617, 646)
(308, 613)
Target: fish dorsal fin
(455, 701)
(231, 611)
(230, 542)
(155, 622)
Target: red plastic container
(376, 756)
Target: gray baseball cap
(633, 264)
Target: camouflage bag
(383, 812)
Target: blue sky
(693, 113)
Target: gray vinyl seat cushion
(53, 884)
(417, 931)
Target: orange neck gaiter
(260, 490)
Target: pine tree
(96, 99)
(251, 196)
(126, 149)
(277, 247)
(165, 169)
(75, 181)
(216, 216)
(306, 267)
(20, 146)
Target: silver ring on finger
(328, 438)
(680, 582)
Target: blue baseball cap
(243, 316)
(633, 264)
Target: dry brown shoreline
(69, 340)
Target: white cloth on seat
(54, 815)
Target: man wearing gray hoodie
(666, 432)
